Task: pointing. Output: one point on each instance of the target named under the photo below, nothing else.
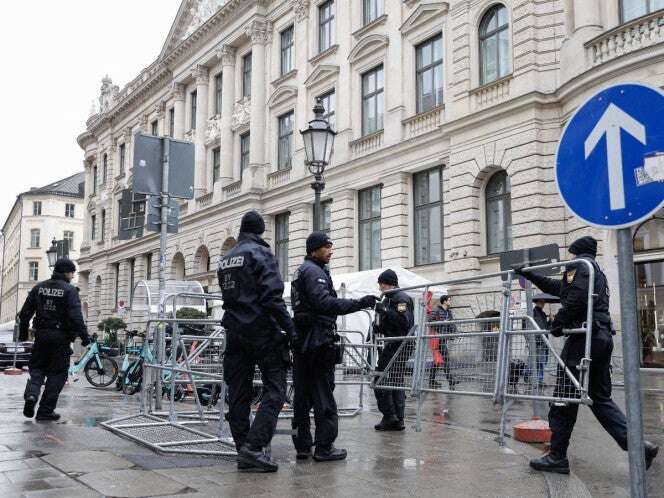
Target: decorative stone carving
(201, 74)
(160, 109)
(127, 134)
(259, 32)
(301, 9)
(143, 122)
(213, 130)
(201, 12)
(241, 114)
(108, 94)
(177, 91)
(227, 55)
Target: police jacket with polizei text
(253, 290)
(398, 317)
(573, 292)
(55, 304)
(316, 305)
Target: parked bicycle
(99, 367)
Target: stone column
(202, 77)
(343, 221)
(259, 31)
(178, 104)
(160, 108)
(587, 14)
(304, 98)
(228, 57)
(299, 227)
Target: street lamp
(52, 253)
(318, 144)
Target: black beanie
(388, 277)
(252, 222)
(64, 265)
(317, 240)
(584, 245)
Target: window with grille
(369, 225)
(281, 243)
(285, 141)
(373, 102)
(428, 202)
(429, 74)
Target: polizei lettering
(47, 291)
(234, 262)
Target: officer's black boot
(651, 452)
(29, 407)
(389, 423)
(48, 417)
(255, 460)
(329, 454)
(551, 463)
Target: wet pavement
(455, 455)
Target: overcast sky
(54, 55)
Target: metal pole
(317, 189)
(630, 341)
(162, 263)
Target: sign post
(154, 157)
(605, 179)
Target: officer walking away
(442, 313)
(255, 315)
(573, 292)
(394, 319)
(315, 309)
(58, 321)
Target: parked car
(8, 348)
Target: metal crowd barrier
(504, 356)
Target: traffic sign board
(600, 159)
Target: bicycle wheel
(104, 376)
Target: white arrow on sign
(612, 121)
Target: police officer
(394, 319)
(573, 293)
(255, 315)
(315, 308)
(58, 321)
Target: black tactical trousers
(49, 365)
(563, 418)
(392, 402)
(240, 360)
(313, 380)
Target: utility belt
(49, 325)
(602, 320)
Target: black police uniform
(573, 292)
(254, 316)
(315, 308)
(58, 321)
(440, 314)
(396, 321)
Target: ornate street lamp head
(318, 141)
(52, 253)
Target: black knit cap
(388, 277)
(584, 245)
(252, 222)
(64, 265)
(316, 240)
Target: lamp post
(52, 253)
(318, 144)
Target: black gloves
(368, 301)
(520, 270)
(556, 329)
(380, 308)
(85, 340)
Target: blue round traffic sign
(610, 159)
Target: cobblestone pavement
(455, 455)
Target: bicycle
(131, 349)
(100, 369)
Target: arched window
(177, 267)
(650, 235)
(495, 47)
(498, 213)
(228, 244)
(202, 260)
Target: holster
(339, 349)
